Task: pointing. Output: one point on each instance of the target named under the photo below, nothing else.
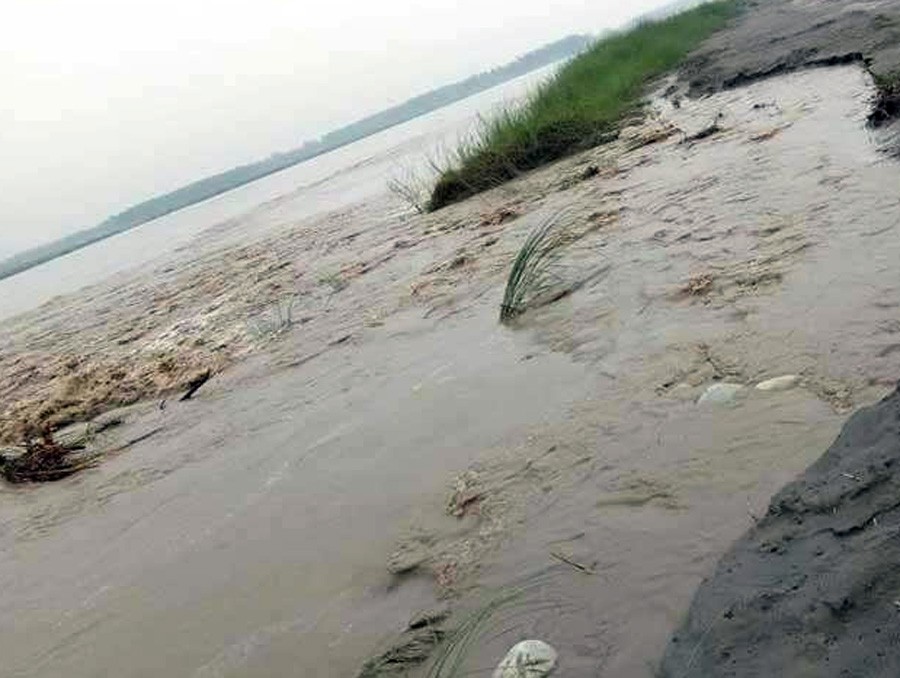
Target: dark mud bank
(773, 37)
(814, 588)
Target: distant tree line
(211, 186)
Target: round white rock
(528, 659)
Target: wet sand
(774, 37)
(251, 535)
(811, 588)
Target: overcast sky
(104, 103)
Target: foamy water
(337, 179)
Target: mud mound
(778, 36)
(58, 390)
(814, 588)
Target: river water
(340, 178)
(251, 534)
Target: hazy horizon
(108, 105)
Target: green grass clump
(530, 275)
(579, 107)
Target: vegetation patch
(41, 460)
(887, 104)
(535, 278)
(579, 107)
(530, 276)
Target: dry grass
(699, 285)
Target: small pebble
(782, 383)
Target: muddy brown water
(250, 536)
(327, 183)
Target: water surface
(328, 182)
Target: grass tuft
(579, 107)
(530, 276)
(411, 189)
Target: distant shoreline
(215, 185)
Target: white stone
(720, 393)
(782, 383)
(528, 659)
